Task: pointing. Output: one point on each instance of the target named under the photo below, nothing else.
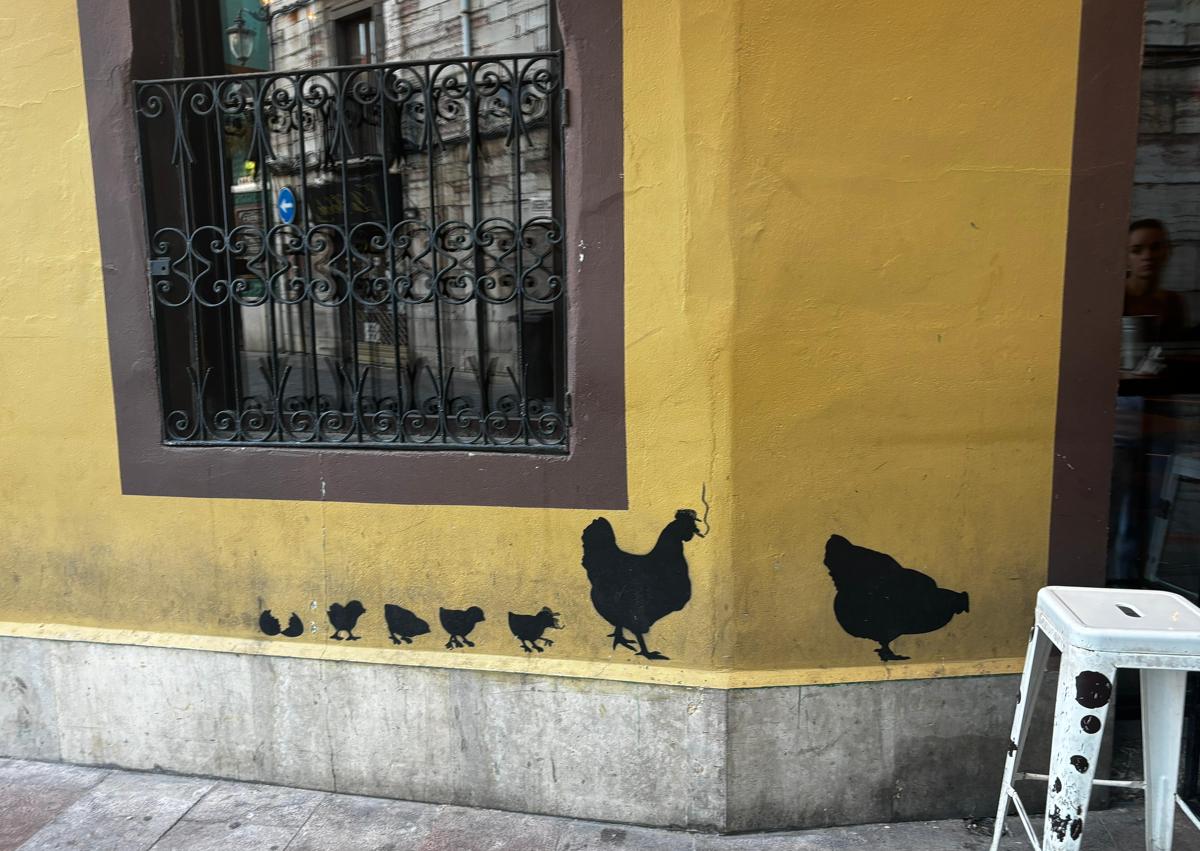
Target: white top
(1116, 620)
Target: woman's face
(1148, 252)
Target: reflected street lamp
(241, 37)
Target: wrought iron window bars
(364, 256)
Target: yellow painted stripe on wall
(650, 674)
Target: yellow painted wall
(844, 231)
(78, 552)
(901, 185)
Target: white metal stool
(1099, 630)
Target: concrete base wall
(704, 759)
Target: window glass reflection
(409, 277)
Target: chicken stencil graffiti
(531, 629)
(345, 618)
(634, 592)
(269, 624)
(631, 592)
(403, 625)
(877, 599)
(458, 625)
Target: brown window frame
(125, 40)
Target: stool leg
(1085, 690)
(1162, 730)
(1031, 679)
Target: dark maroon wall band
(1102, 163)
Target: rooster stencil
(880, 600)
(634, 592)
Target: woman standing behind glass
(1149, 250)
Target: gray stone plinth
(703, 759)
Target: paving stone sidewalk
(46, 806)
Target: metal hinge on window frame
(568, 411)
(564, 108)
(157, 267)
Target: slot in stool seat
(1098, 631)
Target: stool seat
(1120, 621)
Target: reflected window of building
(356, 39)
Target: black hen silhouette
(344, 618)
(458, 624)
(634, 592)
(403, 625)
(529, 629)
(880, 600)
(269, 624)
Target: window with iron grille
(360, 255)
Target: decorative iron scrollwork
(411, 296)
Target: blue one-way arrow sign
(286, 204)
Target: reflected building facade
(384, 265)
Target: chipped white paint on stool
(1099, 631)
